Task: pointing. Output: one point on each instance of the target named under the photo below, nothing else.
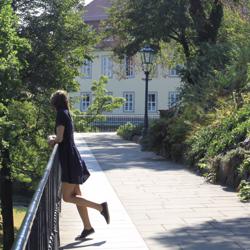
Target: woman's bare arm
(58, 137)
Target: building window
(85, 101)
(129, 102)
(107, 66)
(129, 67)
(173, 98)
(86, 69)
(152, 102)
(174, 72)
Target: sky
(88, 1)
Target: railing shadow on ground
(212, 235)
(40, 227)
(77, 244)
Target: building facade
(126, 78)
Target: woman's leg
(68, 192)
(83, 211)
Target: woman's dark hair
(59, 100)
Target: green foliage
(244, 193)
(244, 168)
(129, 130)
(81, 122)
(166, 136)
(40, 52)
(187, 22)
(220, 136)
(102, 101)
(26, 143)
(156, 134)
(60, 41)
(192, 26)
(12, 47)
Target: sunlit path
(120, 234)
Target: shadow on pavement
(78, 244)
(212, 235)
(114, 153)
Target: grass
(19, 213)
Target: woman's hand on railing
(51, 140)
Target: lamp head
(147, 58)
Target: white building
(126, 78)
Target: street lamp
(147, 59)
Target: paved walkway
(163, 204)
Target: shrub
(244, 168)
(156, 134)
(244, 193)
(219, 137)
(128, 130)
(166, 136)
(81, 122)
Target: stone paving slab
(171, 207)
(121, 234)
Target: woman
(74, 170)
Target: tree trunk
(206, 25)
(6, 201)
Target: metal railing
(109, 123)
(40, 227)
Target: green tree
(194, 27)
(191, 26)
(11, 49)
(58, 41)
(189, 23)
(103, 102)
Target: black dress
(74, 170)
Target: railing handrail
(121, 115)
(25, 229)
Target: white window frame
(150, 102)
(84, 105)
(129, 105)
(129, 66)
(173, 71)
(107, 66)
(173, 98)
(86, 69)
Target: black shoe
(85, 233)
(105, 212)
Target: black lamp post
(147, 59)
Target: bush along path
(222, 151)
